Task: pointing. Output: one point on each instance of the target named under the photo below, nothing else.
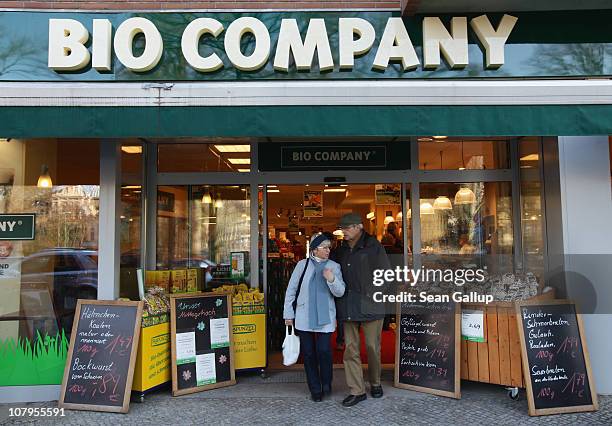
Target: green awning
(305, 121)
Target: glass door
(296, 212)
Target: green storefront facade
(553, 84)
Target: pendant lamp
(427, 208)
(44, 180)
(206, 199)
(465, 196)
(388, 218)
(442, 203)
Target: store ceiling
(335, 204)
(446, 6)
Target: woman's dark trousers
(316, 350)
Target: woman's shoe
(316, 397)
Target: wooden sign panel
(100, 363)
(202, 342)
(556, 363)
(427, 350)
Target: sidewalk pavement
(282, 398)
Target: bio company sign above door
(52, 46)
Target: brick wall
(187, 4)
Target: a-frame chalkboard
(101, 357)
(556, 364)
(427, 348)
(202, 342)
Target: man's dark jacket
(358, 265)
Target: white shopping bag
(291, 347)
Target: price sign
(202, 342)
(101, 357)
(427, 348)
(556, 363)
(472, 325)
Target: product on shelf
(156, 302)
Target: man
(359, 255)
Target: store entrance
(295, 212)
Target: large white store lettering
(356, 36)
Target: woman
(315, 313)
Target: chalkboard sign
(100, 364)
(427, 353)
(555, 358)
(202, 343)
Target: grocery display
(245, 300)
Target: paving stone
(282, 398)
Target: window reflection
(446, 153)
(532, 222)
(205, 227)
(468, 222)
(42, 278)
(225, 155)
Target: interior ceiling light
(131, 187)
(439, 138)
(370, 215)
(399, 216)
(273, 190)
(44, 180)
(530, 157)
(132, 149)
(388, 218)
(206, 199)
(239, 160)
(425, 139)
(426, 208)
(334, 190)
(233, 148)
(244, 170)
(218, 204)
(465, 196)
(442, 203)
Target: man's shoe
(376, 391)
(351, 400)
(316, 397)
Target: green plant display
(37, 362)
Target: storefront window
(131, 218)
(49, 202)
(445, 153)
(225, 155)
(207, 228)
(532, 222)
(468, 223)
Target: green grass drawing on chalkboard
(37, 362)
